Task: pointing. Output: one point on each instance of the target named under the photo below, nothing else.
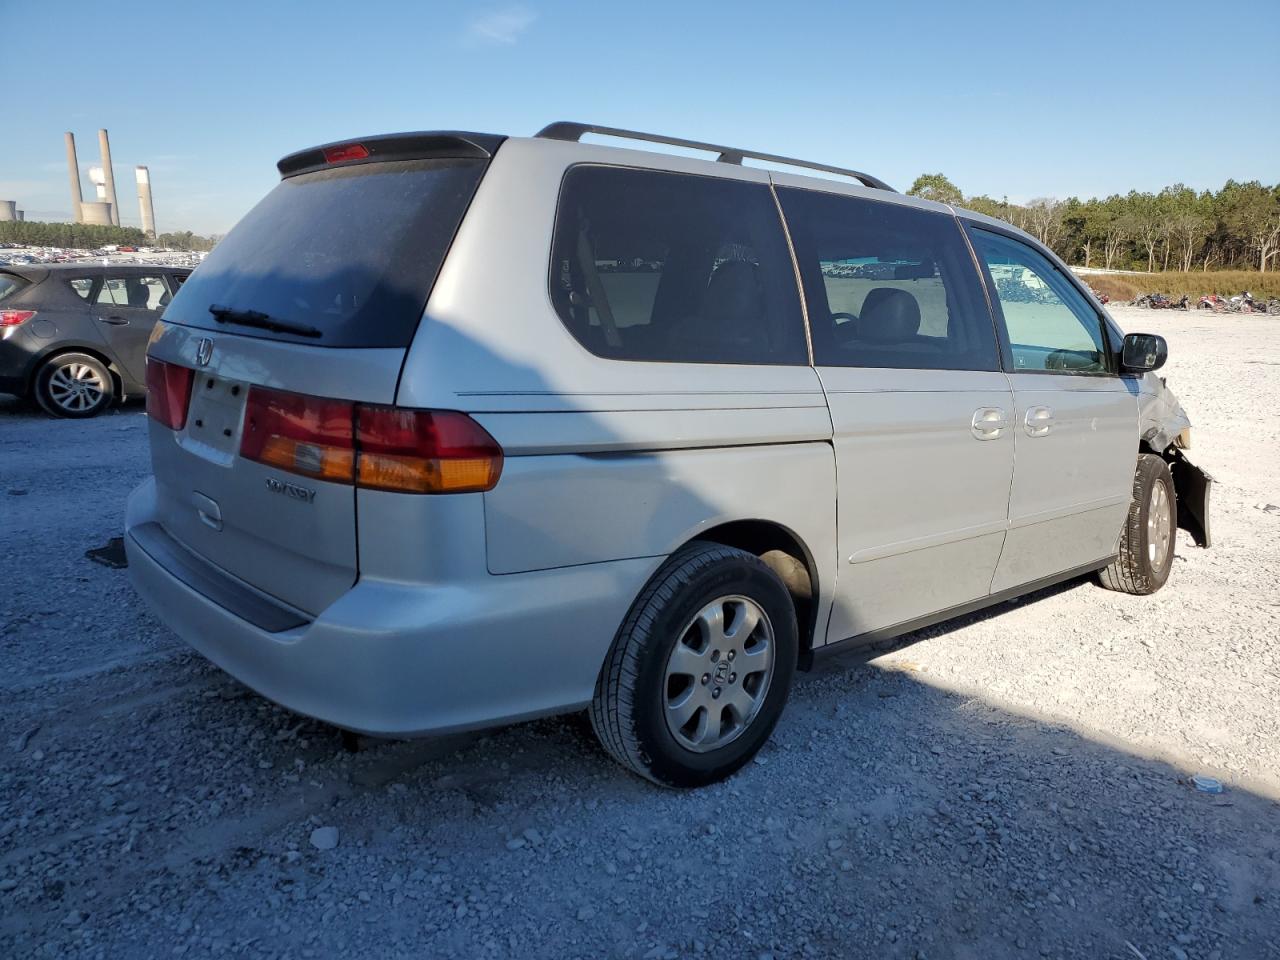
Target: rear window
(351, 252)
(9, 285)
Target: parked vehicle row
(1158, 301)
(454, 430)
(1242, 303)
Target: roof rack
(573, 132)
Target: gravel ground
(1013, 784)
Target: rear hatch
(315, 295)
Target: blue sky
(1019, 98)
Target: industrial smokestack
(73, 168)
(96, 213)
(144, 201)
(109, 177)
(8, 210)
(22, 215)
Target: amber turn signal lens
(382, 448)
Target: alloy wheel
(76, 387)
(718, 673)
(1159, 527)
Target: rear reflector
(168, 392)
(345, 151)
(382, 448)
(11, 318)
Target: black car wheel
(700, 670)
(1150, 532)
(74, 385)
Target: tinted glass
(1050, 325)
(9, 285)
(670, 267)
(144, 293)
(352, 252)
(83, 286)
(888, 285)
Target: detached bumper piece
(1193, 487)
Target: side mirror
(1143, 352)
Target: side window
(660, 266)
(83, 286)
(145, 293)
(888, 285)
(1050, 325)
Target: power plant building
(105, 210)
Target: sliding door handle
(1038, 421)
(988, 423)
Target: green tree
(935, 186)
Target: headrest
(733, 299)
(889, 315)
(137, 292)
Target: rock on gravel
(324, 838)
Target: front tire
(700, 670)
(74, 385)
(1150, 532)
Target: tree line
(1235, 228)
(87, 236)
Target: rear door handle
(1038, 421)
(988, 423)
(115, 321)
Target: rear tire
(700, 670)
(74, 385)
(1150, 532)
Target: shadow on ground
(887, 818)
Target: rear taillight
(382, 448)
(305, 435)
(168, 392)
(424, 451)
(11, 318)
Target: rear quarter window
(10, 284)
(650, 265)
(83, 286)
(350, 251)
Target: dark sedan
(73, 337)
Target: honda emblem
(204, 351)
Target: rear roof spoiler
(423, 145)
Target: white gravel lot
(1009, 785)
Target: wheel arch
(58, 349)
(784, 552)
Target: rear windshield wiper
(255, 318)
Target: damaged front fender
(1164, 425)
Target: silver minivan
(455, 430)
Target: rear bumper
(400, 659)
(16, 360)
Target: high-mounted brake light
(11, 318)
(378, 447)
(345, 151)
(168, 392)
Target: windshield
(351, 252)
